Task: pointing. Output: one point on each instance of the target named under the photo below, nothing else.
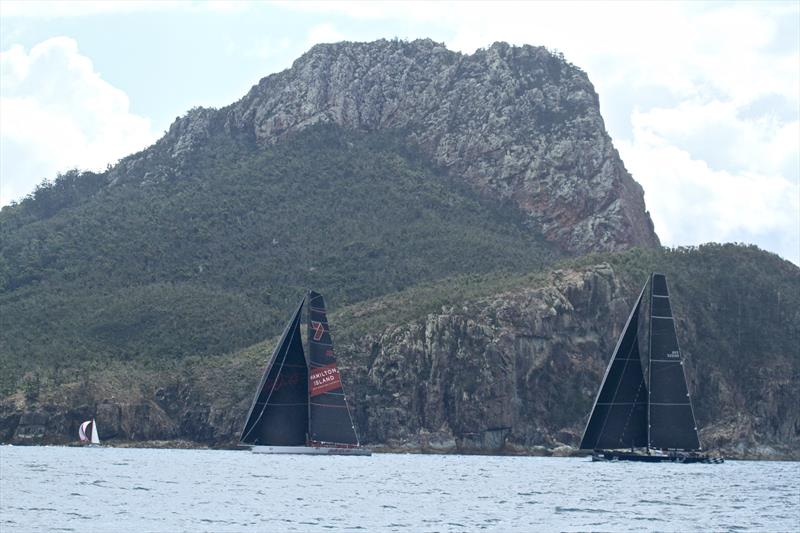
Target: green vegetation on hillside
(722, 289)
(208, 255)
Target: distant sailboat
(299, 405)
(88, 432)
(643, 411)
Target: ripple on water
(667, 502)
(220, 491)
(560, 509)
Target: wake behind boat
(300, 406)
(643, 411)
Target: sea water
(117, 489)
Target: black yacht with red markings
(643, 411)
(300, 406)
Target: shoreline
(539, 451)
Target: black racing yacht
(643, 411)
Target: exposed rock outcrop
(520, 370)
(518, 124)
(517, 369)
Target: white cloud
(717, 132)
(692, 203)
(57, 113)
(323, 33)
(81, 8)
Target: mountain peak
(517, 123)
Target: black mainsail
(329, 415)
(299, 404)
(650, 408)
(279, 413)
(619, 415)
(671, 418)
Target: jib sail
(619, 415)
(279, 413)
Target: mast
(649, 363)
(671, 421)
(618, 416)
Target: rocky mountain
(515, 123)
(441, 202)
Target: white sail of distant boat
(88, 432)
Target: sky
(702, 100)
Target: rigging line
(275, 382)
(616, 389)
(349, 414)
(630, 412)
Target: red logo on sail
(319, 330)
(324, 379)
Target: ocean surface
(118, 489)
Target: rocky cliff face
(516, 123)
(516, 372)
(520, 370)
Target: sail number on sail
(324, 379)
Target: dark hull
(310, 450)
(674, 457)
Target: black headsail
(329, 415)
(671, 418)
(279, 413)
(619, 415)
